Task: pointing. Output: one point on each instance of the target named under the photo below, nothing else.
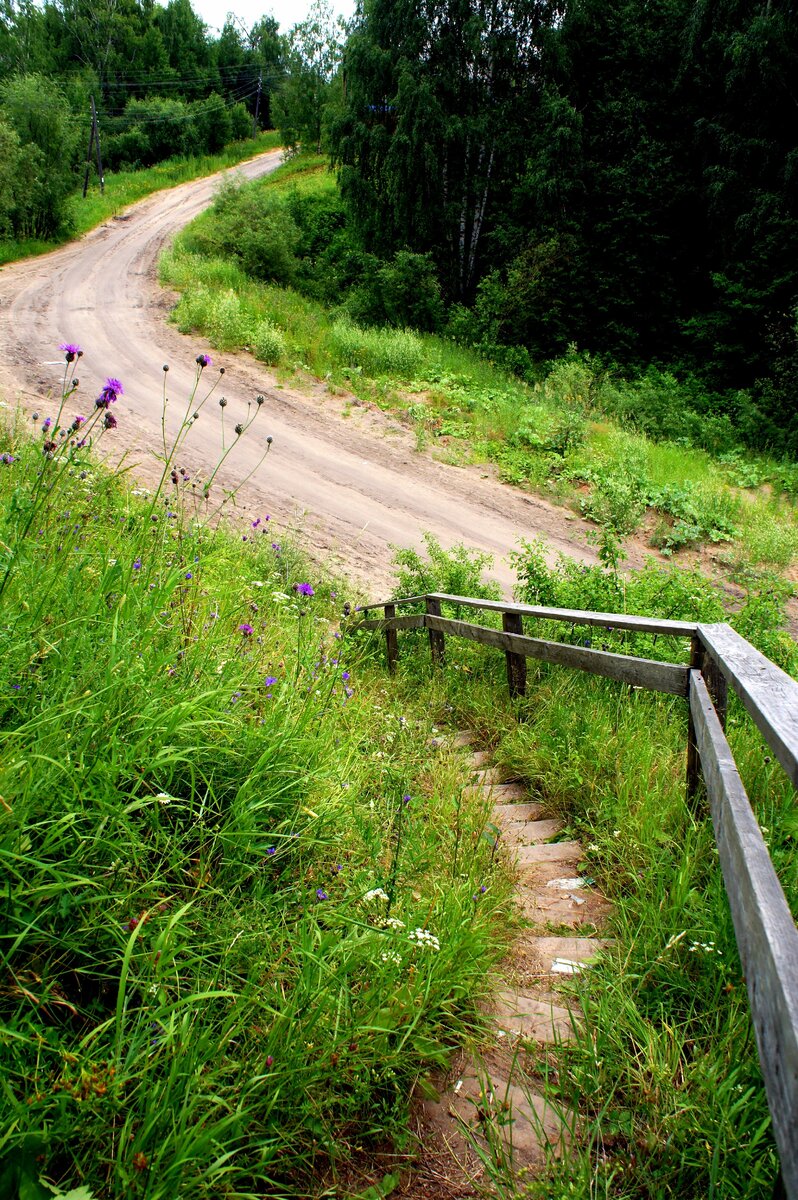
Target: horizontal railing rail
(767, 938)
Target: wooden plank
(693, 761)
(769, 694)
(516, 663)
(639, 672)
(578, 616)
(391, 640)
(573, 616)
(414, 621)
(766, 935)
(436, 639)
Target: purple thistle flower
(204, 360)
(303, 589)
(7, 459)
(111, 392)
(406, 799)
(246, 629)
(276, 547)
(321, 894)
(71, 351)
(271, 850)
(349, 693)
(47, 423)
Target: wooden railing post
(693, 759)
(391, 640)
(716, 686)
(516, 663)
(436, 638)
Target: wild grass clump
(377, 351)
(219, 840)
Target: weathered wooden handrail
(766, 934)
(573, 616)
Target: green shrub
(268, 343)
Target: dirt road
(354, 485)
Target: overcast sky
(287, 12)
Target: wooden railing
(766, 934)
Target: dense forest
(621, 176)
(526, 176)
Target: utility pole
(97, 142)
(94, 140)
(257, 105)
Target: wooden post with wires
(94, 141)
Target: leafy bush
(268, 343)
(457, 572)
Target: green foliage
(251, 226)
(312, 54)
(211, 876)
(457, 572)
(40, 141)
(377, 351)
(268, 343)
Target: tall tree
(438, 100)
(312, 56)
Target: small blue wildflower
(270, 681)
(321, 894)
(271, 850)
(189, 575)
(345, 676)
(137, 565)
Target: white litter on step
(577, 899)
(567, 966)
(567, 885)
(457, 1086)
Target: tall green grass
(218, 836)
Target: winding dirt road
(353, 485)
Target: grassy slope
(557, 437)
(201, 784)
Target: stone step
(490, 776)
(539, 1020)
(491, 1100)
(584, 906)
(559, 852)
(576, 951)
(517, 814)
(500, 793)
(459, 740)
(479, 758)
(531, 833)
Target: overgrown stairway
(492, 1112)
